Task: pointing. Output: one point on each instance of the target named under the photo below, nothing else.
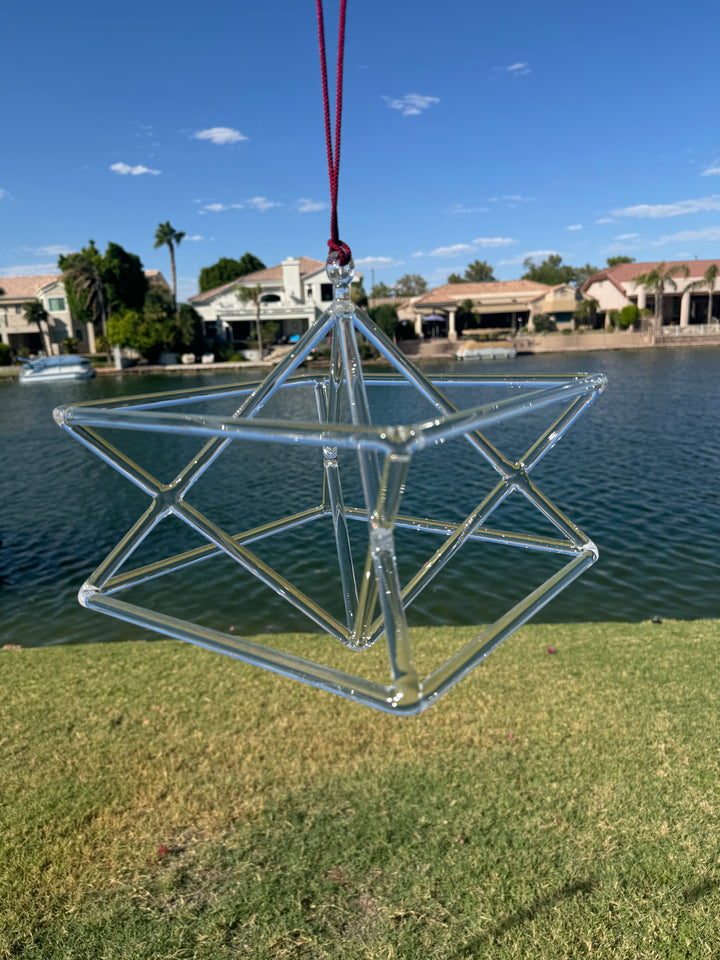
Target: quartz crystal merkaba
(375, 599)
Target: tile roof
(454, 292)
(19, 287)
(626, 272)
(307, 266)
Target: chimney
(291, 280)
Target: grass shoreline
(161, 801)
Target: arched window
(270, 298)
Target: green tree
(124, 279)
(380, 291)
(385, 316)
(253, 295)
(479, 271)
(581, 274)
(708, 280)
(128, 328)
(553, 271)
(192, 328)
(657, 280)
(227, 269)
(455, 278)
(586, 312)
(82, 277)
(35, 312)
(410, 285)
(67, 264)
(614, 261)
(168, 236)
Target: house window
(309, 293)
(326, 291)
(18, 308)
(56, 303)
(59, 332)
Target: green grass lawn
(160, 801)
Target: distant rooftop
(307, 266)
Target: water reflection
(639, 473)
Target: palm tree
(254, 295)
(708, 280)
(35, 312)
(657, 280)
(82, 276)
(166, 234)
(586, 311)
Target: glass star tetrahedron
(339, 429)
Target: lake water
(639, 472)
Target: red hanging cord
(334, 243)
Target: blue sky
(471, 130)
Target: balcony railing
(692, 330)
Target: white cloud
(606, 220)
(29, 269)
(412, 104)
(680, 207)
(214, 208)
(124, 169)
(456, 249)
(627, 236)
(574, 226)
(261, 203)
(531, 254)
(461, 208)
(709, 235)
(712, 171)
(304, 205)
(3, 193)
(195, 236)
(54, 250)
(378, 262)
(219, 135)
(512, 199)
(493, 241)
(452, 251)
(518, 69)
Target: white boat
(476, 351)
(67, 367)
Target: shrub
(628, 316)
(69, 345)
(545, 324)
(5, 355)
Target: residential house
(49, 289)
(684, 304)
(502, 305)
(294, 295)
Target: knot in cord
(344, 254)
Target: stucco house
(294, 294)
(50, 291)
(502, 304)
(686, 305)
